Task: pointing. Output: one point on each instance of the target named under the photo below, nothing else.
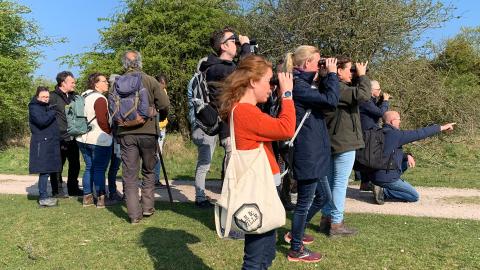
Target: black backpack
(206, 114)
(371, 158)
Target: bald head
(389, 117)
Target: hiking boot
(307, 239)
(112, 202)
(325, 223)
(204, 204)
(378, 195)
(101, 201)
(339, 229)
(304, 255)
(88, 200)
(366, 186)
(48, 202)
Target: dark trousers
(133, 148)
(259, 250)
(69, 151)
(306, 191)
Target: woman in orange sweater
(247, 86)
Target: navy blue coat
(45, 142)
(394, 140)
(311, 156)
(371, 112)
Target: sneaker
(135, 221)
(378, 195)
(60, 195)
(304, 255)
(159, 185)
(204, 204)
(307, 239)
(101, 201)
(148, 213)
(116, 196)
(339, 229)
(110, 202)
(236, 235)
(88, 200)
(48, 202)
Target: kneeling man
(387, 183)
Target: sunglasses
(232, 37)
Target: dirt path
(434, 202)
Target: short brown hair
(93, 79)
(216, 39)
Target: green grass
(439, 163)
(180, 159)
(183, 237)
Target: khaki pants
(133, 148)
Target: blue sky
(77, 20)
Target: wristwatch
(287, 94)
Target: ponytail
(289, 62)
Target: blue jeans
(340, 169)
(400, 190)
(158, 166)
(306, 191)
(323, 195)
(42, 185)
(115, 162)
(96, 161)
(259, 250)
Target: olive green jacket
(157, 97)
(343, 123)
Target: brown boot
(87, 200)
(101, 201)
(339, 229)
(324, 226)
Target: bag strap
(307, 114)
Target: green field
(183, 237)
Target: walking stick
(164, 173)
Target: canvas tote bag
(249, 202)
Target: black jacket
(371, 111)
(311, 156)
(216, 71)
(59, 100)
(45, 141)
(394, 140)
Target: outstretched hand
(448, 126)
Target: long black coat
(45, 142)
(311, 156)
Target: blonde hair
(251, 68)
(298, 58)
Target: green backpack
(77, 123)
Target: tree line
(430, 82)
